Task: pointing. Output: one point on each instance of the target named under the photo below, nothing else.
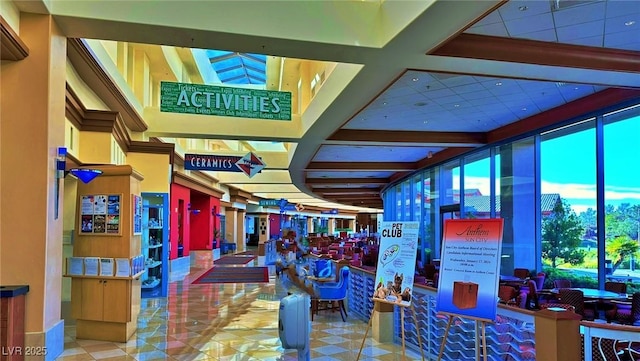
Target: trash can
(12, 317)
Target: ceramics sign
(250, 164)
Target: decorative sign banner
(136, 201)
(332, 211)
(269, 202)
(224, 101)
(397, 261)
(470, 268)
(250, 164)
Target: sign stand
(479, 340)
(402, 307)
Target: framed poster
(397, 261)
(470, 268)
(100, 214)
(137, 214)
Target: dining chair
(562, 283)
(333, 293)
(625, 312)
(507, 295)
(607, 306)
(532, 300)
(521, 273)
(575, 298)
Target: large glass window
(398, 203)
(416, 197)
(621, 197)
(429, 215)
(568, 186)
(477, 186)
(516, 203)
(406, 200)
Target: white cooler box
(294, 326)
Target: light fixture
(523, 8)
(430, 155)
(84, 174)
(629, 23)
(415, 79)
(499, 83)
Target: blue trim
(13, 291)
(600, 205)
(54, 341)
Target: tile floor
(228, 322)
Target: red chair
(627, 313)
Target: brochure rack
(106, 306)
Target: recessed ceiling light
(384, 103)
(524, 109)
(425, 122)
(456, 105)
(523, 8)
(420, 104)
(415, 79)
(575, 88)
(499, 83)
(629, 23)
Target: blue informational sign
(332, 211)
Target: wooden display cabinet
(107, 307)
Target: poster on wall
(396, 262)
(470, 268)
(100, 214)
(137, 214)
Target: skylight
(238, 68)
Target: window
(477, 186)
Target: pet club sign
(224, 101)
(250, 164)
(396, 262)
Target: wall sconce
(84, 174)
(195, 211)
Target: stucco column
(230, 225)
(332, 226)
(310, 228)
(263, 227)
(241, 238)
(32, 119)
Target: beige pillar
(230, 225)
(352, 225)
(558, 335)
(241, 235)
(309, 226)
(32, 122)
(263, 227)
(332, 226)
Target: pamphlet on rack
(107, 267)
(123, 267)
(91, 266)
(75, 266)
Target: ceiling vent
(557, 5)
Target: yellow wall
(155, 168)
(88, 98)
(95, 148)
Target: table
(505, 278)
(595, 294)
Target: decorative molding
(11, 46)
(225, 204)
(539, 52)
(101, 83)
(189, 182)
(153, 148)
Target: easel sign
(470, 274)
(396, 261)
(394, 273)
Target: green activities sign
(224, 101)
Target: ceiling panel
(343, 174)
(569, 22)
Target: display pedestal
(558, 335)
(106, 306)
(382, 322)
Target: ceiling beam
(539, 53)
(355, 197)
(222, 57)
(346, 190)
(362, 166)
(401, 136)
(318, 181)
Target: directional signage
(332, 211)
(269, 202)
(250, 164)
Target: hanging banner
(397, 261)
(224, 101)
(470, 268)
